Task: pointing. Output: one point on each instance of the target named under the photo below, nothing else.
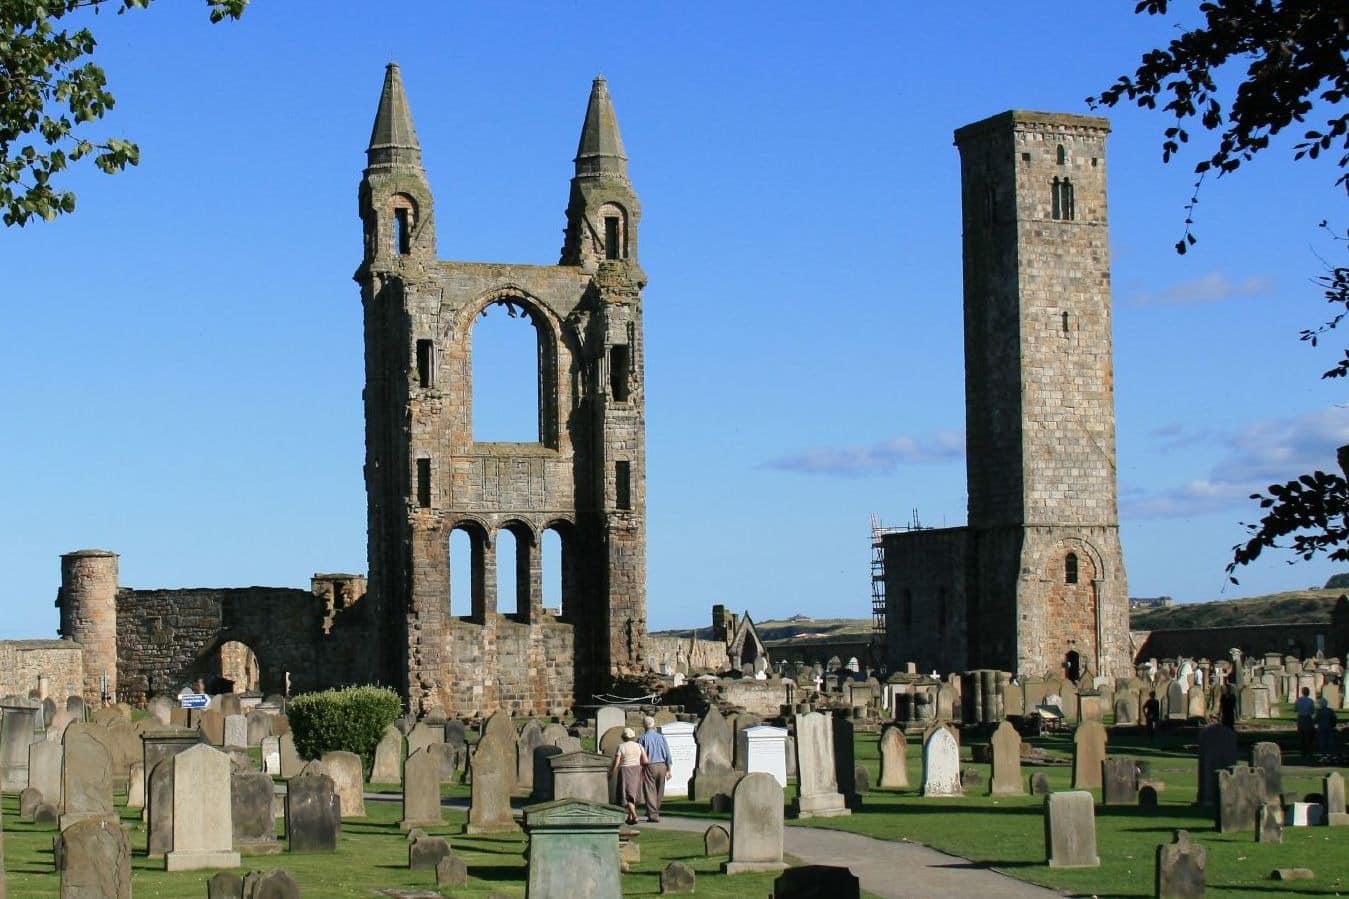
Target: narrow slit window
(402, 231)
(1070, 568)
(1062, 199)
(612, 237)
(1062, 155)
(426, 364)
(1056, 211)
(619, 374)
(623, 485)
(1065, 323)
(424, 483)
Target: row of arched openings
(514, 565)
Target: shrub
(351, 719)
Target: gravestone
(347, 772)
(421, 791)
(159, 809)
(423, 735)
(86, 777)
(29, 800)
(814, 881)
(1088, 753)
(212, 726)
(766, 751)
(1070, 830)
(1241, 793)
(1119, 781)
(493, 772)
(291, 763)
(1268, 757)
(456, 737)
(46, 815)
(531, 737)
(449, 760)
(1269, 823)
(1175, 701)
(135, 786)
(236, 732)
(313, 814)
(259, 727)
(817, 778)
(275, 884)
(608, 716)
(1125, 706)
(1006, 745)
(230, 704)
(554, 733)
(44, 769)
(756, 823)
(677, 878)
(573, 848)
(1180, 872)
(894, 751)
(252, 819)
(427, 852)
(225, 885)
(18, 731)
(715, 773)
(580, 775)
(93, 858)
(683, 756)
(1217, 750)
(451, 871)
(388, 765)
(1333, 791)
(271, 755)
(1303, 814)
(160, 708)
(203, 826)
(716, 841)
(941, 763)
(543, 773)
(845, 764)
(161, 743)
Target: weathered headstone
(1006, 745)
(212, 726)
(135, 786)
(1039, 784)
(159, 809)
(44, 769)
(29, 800)
(894, 751)
(677, 878)
(608, 716)
(766, 750)
(202, 812)
(1269, 823)
(160, 708)
(580, 775)
(347, 772)
(259, 726)
(93, 858)
(451, 871)
(1070, 830)
(716, 841)
(941, 763)
(1180, 872)
(427, 852)
(817, 779)
(1268, 757)
(252, 820)
(1241, 793)
(493, 769)
(1088, 753)
(756, 823)
(423, 735)
(683, 756)
(845, 762)
(531, 737)
(274, 884)
(225, 885)
(388, 765)
(1119, 781)
(715, 773)
(573, 848)
(86, 777)
(313, 814)
(236, 732)
(18, 731)
(543, 773)
(1217, 750)
(271, 755)
(1333, 791)
(421, 791)
(291, 763)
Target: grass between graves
(371, 856)
(1007, 833)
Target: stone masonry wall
(22, 662)
(925, 590)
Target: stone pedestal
(573, 848)
(581, 775)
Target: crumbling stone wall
(23, 662)
(1301, 640)
(925, 593)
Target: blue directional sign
(194, 700)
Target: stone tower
(426, 476)
(88, 604)
(1048, 586)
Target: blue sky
(183, 356)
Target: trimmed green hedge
(351, 719)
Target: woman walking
(629, 760)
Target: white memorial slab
(683, 756)
(766, 751)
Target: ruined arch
(525, 579)
(479, 545)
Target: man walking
(657, 770)
(1305, 708)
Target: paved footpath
(886, 867)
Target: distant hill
(1293, 607)
(797, 628)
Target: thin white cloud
(876, 460)
(1260, 454)
(1211, 288)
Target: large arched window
(506, 354)
(468, 574)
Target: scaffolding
(877, 579)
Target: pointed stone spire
(600, 151)
(393, 140)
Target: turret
(395, 200)
(603, 211)
(88, 604)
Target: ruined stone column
(88, 603)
